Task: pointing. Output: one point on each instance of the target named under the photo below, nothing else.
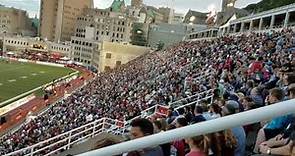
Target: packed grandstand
(188, 83)
(246, 72)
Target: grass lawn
(17, 78)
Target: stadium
(228, 90)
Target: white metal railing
(66, 140)
(211, 126)
(195, 97)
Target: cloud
(32, 6)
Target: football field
(17, 78)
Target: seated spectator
(232, 107)
(223, 143)
(215, 111)
(141, 128)
(276, 125)
(198, 146)
(291, 91)
(160, 125)
(180, 144)
(198, 115)
(279, 146)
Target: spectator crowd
(246, 72)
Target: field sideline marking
(12, 80)
(11, 69)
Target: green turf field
(17, 78)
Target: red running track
(18, 115)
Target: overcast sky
(182, 6)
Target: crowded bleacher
(246, 72)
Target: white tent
(10, 53)
(65, 58)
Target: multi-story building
(58, 18)
(85, 51)
(18, 44)
(195, 17)
(137, 3)
(177, 18)
(63, 49)
(107, 25)
(168, 14)
(15, 21)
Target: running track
(16, 117)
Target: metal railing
(211, 126)
(64, 141)
(193, 98)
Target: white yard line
(12, 80)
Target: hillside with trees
(267, 5)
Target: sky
(181, 6)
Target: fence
(211, 126)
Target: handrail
(56, 137)
(189, 97)
(199, 100)
(211, 126)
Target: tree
(267, 5)
(160, 45)
(1, 46)
(138, 35)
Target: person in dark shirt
(141, 128)
(198, 115)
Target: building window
(107, 68)
(118, 63)
(108, 55)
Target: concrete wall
(118, 53)
(170, 33)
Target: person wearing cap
(232, 107)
